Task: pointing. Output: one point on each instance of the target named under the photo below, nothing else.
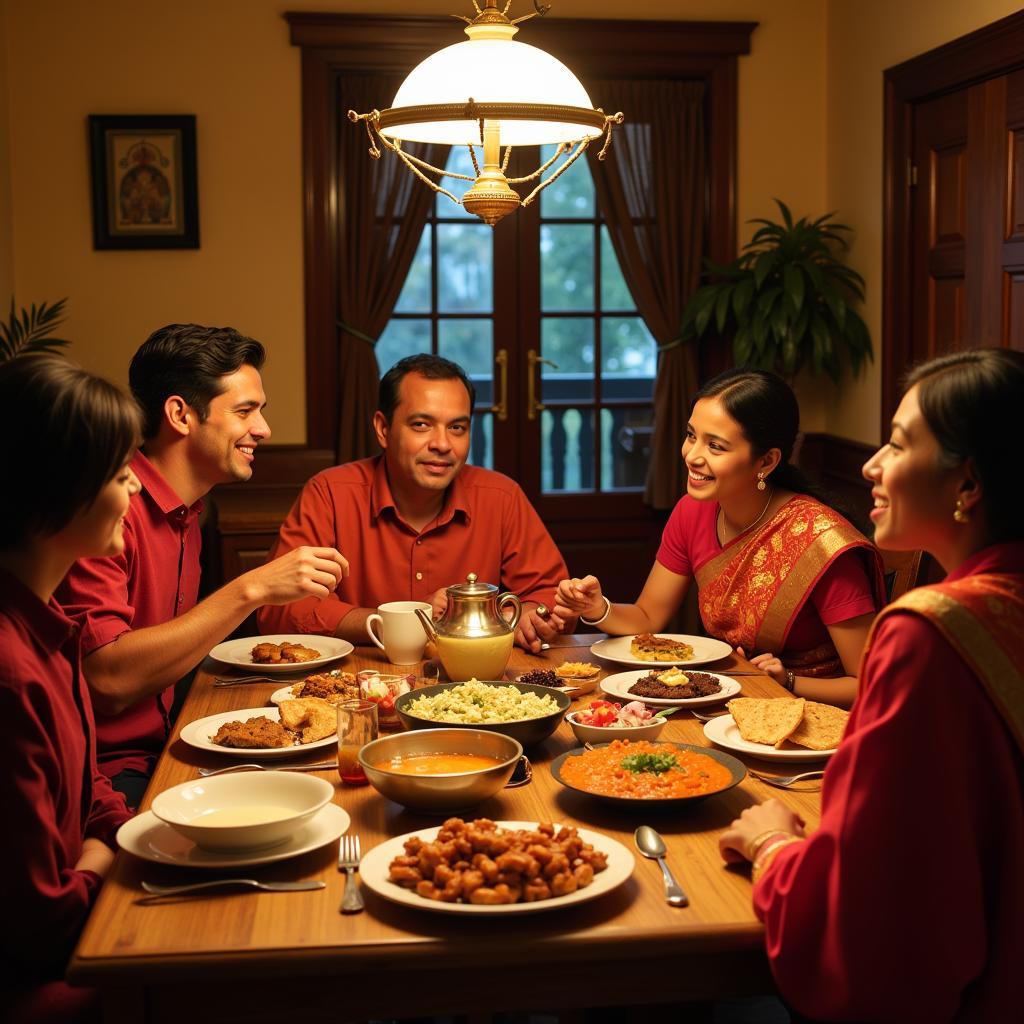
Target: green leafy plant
(31, 330)
(785, 301)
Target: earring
(760, 482)
(959, 514)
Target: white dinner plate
(619, 684)
(373, 869)
(705, 649)
(724, 731)
(197, 734)
(148, 837)
(239, 652)
(285, 693)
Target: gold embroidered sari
(982, 617)
(751, 592)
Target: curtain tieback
(674, 343)
(356, 333)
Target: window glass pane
(481, 446)
(567, 450)
(458, 161)
(415, 294)
(572, 193)
(625, 448)
(569, 343)
(629, 357)
(402, 338)
(614, 293)
(566, 267)
(464, 268)
(468, 343)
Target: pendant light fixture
(487, 93)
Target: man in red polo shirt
(142, 631)
(417, 519)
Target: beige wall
(864, 38)
(6, 228)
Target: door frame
(986, 53)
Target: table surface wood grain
(236, 954)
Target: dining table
(244, 955)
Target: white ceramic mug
(403, 638)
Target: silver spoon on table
(650, 844)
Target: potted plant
(30, 330)
(785, 301)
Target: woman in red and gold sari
(780, 574)
(907, 903)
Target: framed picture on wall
(144, 193)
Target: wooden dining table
(234, 955)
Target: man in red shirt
(417, 519)
(202, 399)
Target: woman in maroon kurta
(907, 903)
(68, 438)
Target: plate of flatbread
(288, 730)
(779, 729)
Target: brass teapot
(474, 640)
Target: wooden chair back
(901, 569)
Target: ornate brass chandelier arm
(373, 116)
(609, 122)
(580, 148)
(440, 172)
(563, 147)
(473, 111)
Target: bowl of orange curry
(440, 770)
(642, 772)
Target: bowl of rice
(526, 712)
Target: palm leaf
(32, 329)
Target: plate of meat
(269, 732)
(671, 687)
(333, 687)
(281, 653)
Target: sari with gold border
(751, 593)
(982, 617)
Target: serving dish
(618, 686)
(705, 649)
(238, 652)
(374, 870)
(724, 731)
(526, 730)
(597, 734)
(736, 768)
(197, 734)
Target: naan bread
(770, 721)
(821, 728)
(312, 717)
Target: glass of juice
(357, 725)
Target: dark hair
(972, 403)
(766, 409)
(187, 360)
(68, 432)
(426, 365)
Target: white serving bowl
(606, 733)
(244, 811)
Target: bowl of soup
(244, 811)
(440, 770)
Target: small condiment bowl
(441, 793)
(606, 733)
(282, 801)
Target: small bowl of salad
(602, 721)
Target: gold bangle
(761, 838)
(767, 856)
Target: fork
(179, 890)
(782, 781)
(235, 680)
(348, 861)
(320, 766)
(703, 716)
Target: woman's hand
(96, 856)
(769, 664)
(734, 842)
(579, 597)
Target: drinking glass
(357, 726)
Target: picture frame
(144, 188)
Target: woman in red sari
(67, 440)
(907, 903)
(779, 573)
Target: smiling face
(720, 464)
(427, 441)
(98, 530)
(224, 444)
(914, 495)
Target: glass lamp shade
(492, 71)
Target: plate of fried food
(291, 728)
(671, 687)
(666, 648)
(514, 867)
(779, 729)
(574, 677)
(334, 687)
(281, 653)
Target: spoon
(650, 844)
(320, 766)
